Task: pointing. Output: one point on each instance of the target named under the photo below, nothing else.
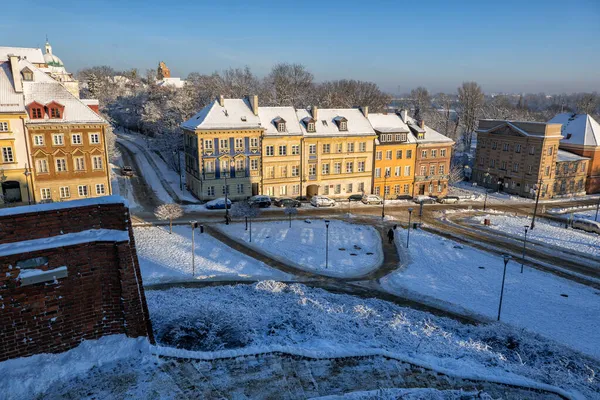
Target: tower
(163, 71)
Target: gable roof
(325, 124)
(235, 114)
(10, 101)
(567, 156)
(524, 128)
(582, 128)
(431, 135)
(268, 116)
(33, 55)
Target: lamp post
(524, 246)
(597, 208)
(326, 243)
(506, 258)
(467, 173)
(226, 200)
(179, 168)
(27, 173)
(498, 188)
(410, 210)
(387, 175)
(537, 200)
(485, 200)
(194, 225)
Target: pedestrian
(395, 226)
(390, 235)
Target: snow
(405, 394)
(469, 280)
(270, 316)
(167, 257)
(63, 205)
(28, 273)
(357, 125)
(268, 114)
(29, 377)
(68, 239)
(584, 129)
(545, 231)
(303, 245)
(235, 113)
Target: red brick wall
(102, 294)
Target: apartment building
(395, 155)
(571, 174)
(337, 151)
(516, 157)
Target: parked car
(286, 202)
(371, 199)
(404, 197)
(303, 199)
(218, 204)
(424, 200)
(587, 225)
(260, 201)
(322, 201)
(126, 170)
(448, 200)
(355, 197)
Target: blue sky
(517, 46)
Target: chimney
(422, 124)
(365, 111)
(404, 115)
(14, 66)
(254, 103)
(221, 101)
(315, 112)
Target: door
(254, 189)
(421, 189)
(11, 190)
(312, 190)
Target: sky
(506, 46)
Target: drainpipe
(29, 159)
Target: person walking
(390, 235)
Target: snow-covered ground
(167, 257)
(354, 250)
(545, 231)
(454, 276)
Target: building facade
(571, 174)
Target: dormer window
(310, 124)
(342, 123)
(343, 126)
(36, 110)
(311, 127)
(55, 110)
(279, 124)
(27, 74)
(54, 113)
(421, 135)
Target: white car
(371, 199)
(322, 201)
(587, 225)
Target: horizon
(455, 44)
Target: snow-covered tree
(242, 209)
(168, 212)
(471, 100)
(290, 211)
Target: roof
(388, 123)
(565, 156)
(37, 208)
(431, 135)
(10, 101)
(579, 129)
(174, 82)
(525, 128)
(33, 55)
(326, 124)
(268, 115)
(235, 114)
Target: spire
(48, 47)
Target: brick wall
(102, 294)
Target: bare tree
(290, 85)
(456, 174)
(421, 101)
(471, 99)
(588, 103)
(168, 212)
(351, 93)
(290, 211)
(242, 209)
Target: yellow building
(395, 153)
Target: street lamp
(467, 173)
(499, 183)
(326, 243)
(506, 258)
(226, 199)
(524, 246)
(537, 200)
(485, 200)
(410, 210)
(387, 175)
(597, 208)
(179, 168)
(27, 173)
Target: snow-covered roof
(235, 114)
(325, 124)
(268, 115)
(63, 205)
(565, 156)
(388, 123)
(579, 129)
(43, 89)
(10, 101)
(33, 55)
(525, 128)
(174, 82)
(431, 135)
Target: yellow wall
(277, 179)
(402, 182)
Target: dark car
(404, 197)
(260, 201)
(303, 199)
(218, 204)
(127, 171)
(355, 197)
(286, 202)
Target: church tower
(163, 71)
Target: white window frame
(282, 150)
(295, 149)
(8, 154)
(82, 191)
(100, 189)
(312, 149)
(77, 161)
(76, 139)
(254, 164)
(61, 164)
(208, 144)
(97, 163)
(94, 138)
(270, 151)
(360, 166)
(45, 194)
(58, 139)
(65, 192)
(4, 126)
(41, 165)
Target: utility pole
(410, 210)
(506, 258)
(194, 225)
(385, 176)
(537, 200)
(524, 246)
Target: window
(325, 169)
(239, 143)
(377, 172)
(61, 164)
(312, 149)
(270, 150)
(45, 192)
(100, 189)
(431, 188)
(432, 170)
(326, 148)
(349, 188)
(311, 127)
(442, 169)
(349, 167)
(409, 154)
(548, 171)
(505, 147)
(338, 189)
(337, 168)
(239, 188)
(42, 165)
(423, 153)
(3, 126)
(281, 127)
(94, 138)
(423, 170)
(253, 142)
(58, 139)
(224, 144)
(225, 189)
(360, 166)
(65, 192)
(443, 153)
(27, 75)
(388, 155)
(494, 145)
(339, 147)
(530, 169)
(378, 155)
(210, 190)
(407, 170)
(239, 164)
(550, 150)
(270, 172)
(406, 188)
(398, 138)
(282, 150)
(209, 166)
(38, 140)
(54, 112)
(7, 155)
(439, 187)
(361, 187)
(397, 171)
(283, 172)
(433, 153)
(97, 162)
(295, 170)
(492, 163)
(295, 149)
(79, 163)
(396, 189)
(398, 154)
(517, 148)
(388, 171)
(282, 190)
(312, 169)
(377, 190)
(362, 147)
(82, 190)
(36, 113)
(582, 167)
(343, 126)
(386, 191)
(270, 191)
(531, 150)
(295, 189)
(326, 189)
(208, 144)
(254, 164)
(503, 166)
(225, 166)
(350, 147)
